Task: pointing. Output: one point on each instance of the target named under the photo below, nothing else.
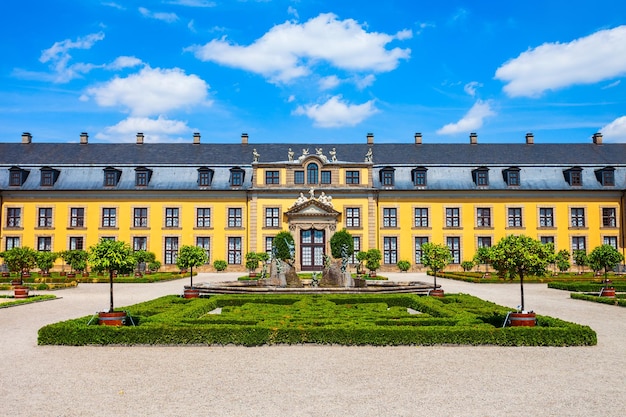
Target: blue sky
(313, 71)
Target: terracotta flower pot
(607, 292)
(522, 319)
(436, 293)
(20, 291)
(191, 293)
(116, 318)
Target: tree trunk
(521, 287)
(111, 290)
(191, 276)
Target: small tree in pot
(436, 257)
(606, 257)
(45, 261)
(372, 262)
(111, 255)
(252, 263)
(188, 257)
(20, 260)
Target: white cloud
(166, 17)
(151, 91)
(291, 99)
(611, 85)
(289, 50)
(470, 88)
(615, 131)
(292, 11)
(122, 62)
(364, 82)
(160, 129)
(330, 82)
(472, 120)
(58, 57)
(597, 57)
(114, 5)
(337, 113)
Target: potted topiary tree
(20, 260)
(561, 259)
(45, 261)
(581, 259)
(467, 265)
(111, 255)
(361, 256)
(521, 255)
(77, 260)
(372, 261)
(606, 257)
(436, 257)
(188, 257)
(483, 256)
(252, 263)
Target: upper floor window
(203, 217)
(577, 217)
(111, 176)
(45, 217)
(48, 176)
(574, 176)
(14, 217)
(390, 217)
(326, 177)
(481, 176)
(547, 239)
(387, 177)
(236, 177)
(312, 173)
(272, 177)
(77, 217)
(419, 177)
(109, 217)
(142, 176)
(205, 177)
(606, 176)
(512, 176)
(234, 217)
(453, 218)
(421, 217)
(609, 218)
(272, 217)
(515, 217)
(546, 217)
(298, 177)
(352, 177)
(483, 217)
(353, 217)
(171, 217)
(140, 217)
(17, 176)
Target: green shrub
(403, 265)
(219, 265)
(602, 300)
(339, 240)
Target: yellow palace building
(234, 198)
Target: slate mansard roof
(449, 166)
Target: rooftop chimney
(139, 138)
(597, 138)
(530, 138)
(370, 138)
(418, 138)
(84, 138)
(244, 138)
(27, 137)
(196, 138)
(473, 138)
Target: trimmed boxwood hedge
(348, 319)
(586, 286)
(603, 300)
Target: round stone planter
(20, 292)
(191, 293)
(436, 293)
(522, 319)
(607, 292)
(116, 318)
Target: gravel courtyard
(310, 380)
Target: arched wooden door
(312, 243)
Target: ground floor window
(390, 250)
(454, 243)
(234, 250)
(12, 242)
(171, 250)
(419, 241)
(610, 240)
(140, 243)
(204, 243)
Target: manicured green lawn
(11, 302)
(348, 319)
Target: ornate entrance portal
(312, 221)
(312, 244)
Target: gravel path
(311, 380)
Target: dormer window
(49, 176)
(205, 177)
(418, 176)
(574, 176)
(387, 177)
(512, 176)
(481, 176)
(17, 176)
(236, 177)
(606, 176)
(111, 176)
(142, 176)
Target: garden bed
(253, 320)
(619, 300)
(11, 302)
